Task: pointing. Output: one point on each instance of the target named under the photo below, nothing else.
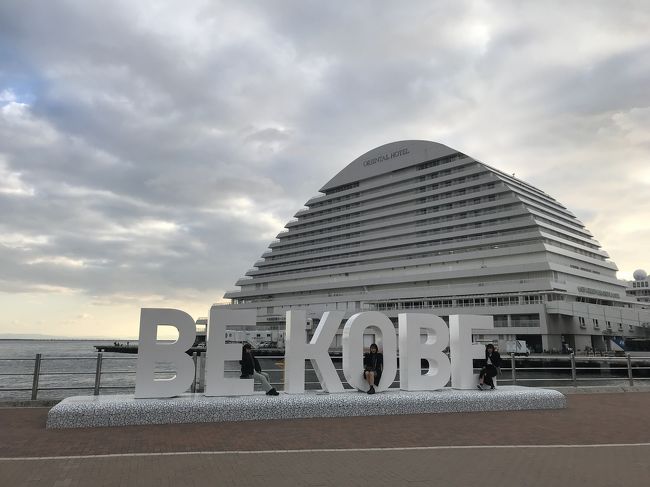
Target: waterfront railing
(90, 374)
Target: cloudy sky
(149, 151)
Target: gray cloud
(157, 149)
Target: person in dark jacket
(373, 365)
(490, 368)
(250, 368)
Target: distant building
(639, 288)
(417, 226)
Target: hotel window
(620, 326)
(609, 325)
(595, 321)
(581, 320)
(500, 321)
(534, 299)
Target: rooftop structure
(420, 227)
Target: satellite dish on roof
(640, 275)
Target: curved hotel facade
(418, 226)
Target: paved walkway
(599, 440)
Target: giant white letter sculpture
(411, 351)
(411, 325)
(150, 352)
(297, 350)
(353, 349)
(462, 350)
(219, 351)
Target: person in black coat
(250, 368)
(373, 365)
(490, 368)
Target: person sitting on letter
(250, 367)
(373, 364)
(492, 363)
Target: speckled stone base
(124, 410)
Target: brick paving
(590, 419)
(620, 467)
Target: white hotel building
(417, 226)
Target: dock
(117, 348)
(133, 349)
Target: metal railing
(625, 369)
(98, 373)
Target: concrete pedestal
(124, 410)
